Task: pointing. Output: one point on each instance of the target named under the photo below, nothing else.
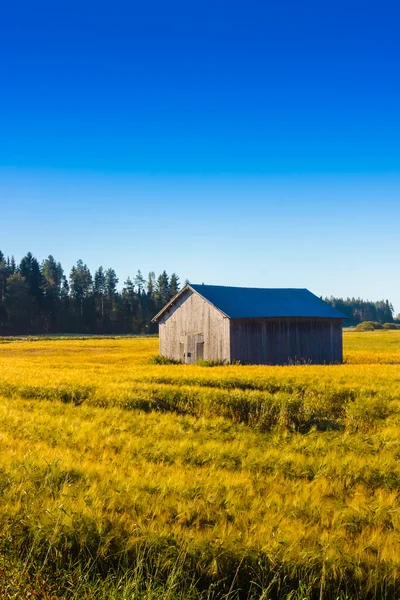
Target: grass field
(124, 479)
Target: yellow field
(124, 479)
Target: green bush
(369, 326)
(391, 326)
(159, 359)
(210, 363)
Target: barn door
(194, 348)
(199, 351)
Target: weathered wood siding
(194, 328)
(285, 341)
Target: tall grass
(122, 479)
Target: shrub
(210, 363)
(369, 326)
(159, 359)
(391, 326)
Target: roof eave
(292, 317)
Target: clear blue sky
(242, 143)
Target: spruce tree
(173, 285)
(3, 277)
(163, 288)
(18, 304)
(151, 284)
(3, 280)
(53, 277)
(29, 268)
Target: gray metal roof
(246, 303)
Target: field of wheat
(121, 478)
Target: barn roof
(247, 303)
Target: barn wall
(283, 341)
(192, 321)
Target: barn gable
(191, 329)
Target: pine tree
(151, 303)
(139, 282)
(80, 281)
(129, 306)
(81, 287)
(65, 312)
(99, 281)
(111, 281)
(99, 290)
(112, 298)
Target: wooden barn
(250, 325)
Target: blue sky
(251, 143)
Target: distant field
(122, 479)
(372, 347)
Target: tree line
(359, 310)
(38, 298)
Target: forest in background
(358, 310)
(38, 298)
